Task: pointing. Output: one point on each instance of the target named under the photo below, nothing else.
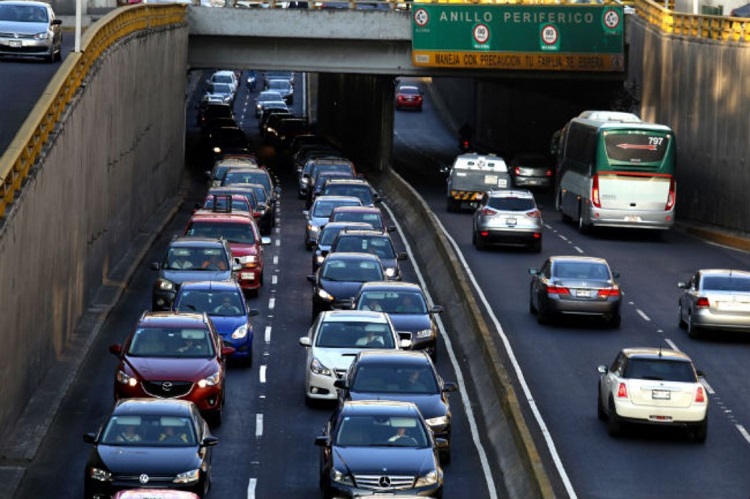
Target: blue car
(225, 305)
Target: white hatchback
(653, 386)
(334, 340)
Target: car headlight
(100, 475)
(318, 368)
(390, 272)
(325, 295)
(212, 380)
(126, 379)
(437, 422)
(258, 106)
(342, 478)
(313, 228)
(240, 332)
(191, 476)
(247, 259)
(424, 333)
(319, 259)
(217, 150)
(428, 479)
(166, 285)
(44, 35)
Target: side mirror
(264, 240)
(391, 228)
(682, 285)
(227, 351)
(616, 275)
(115, 349)
(340, 383)
(321, 441)
(602, 369)
(311, 277)
(56, 22)
(305, 341)
(401, 255)
(450, 386)
(155, 266)
(534, 271)
(700, 373)
(89, 438)
(253, 312)
(209, 441)
(436, 309)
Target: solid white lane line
(516, 367)
(489, 479)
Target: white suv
(508, 217)
(653, 386)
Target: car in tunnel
(318, 214)
(409, 97)
(508, 218)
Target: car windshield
(580, 270)
(380, 246)
(323, 208)
(187, 258)
(171, 342)
(234, 232)
(354, 335)
(376, 431)
(660, 369)
(23, 13)
(727, 283)
(214, 303)
(511, 204)
(409, 90)
(149, 430)
(270, 96)
(222, 78)
(394, 379)
(238, 177)
(351, 270)
(279, 85)
(393, 302)
(219, 88)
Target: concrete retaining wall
(698, 87)
(117, 155)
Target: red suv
(174, 355)
(243, 236)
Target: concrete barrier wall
(117, 155)
(699, 88)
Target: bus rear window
(636, 148)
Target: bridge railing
(719, 28)
(28, 146)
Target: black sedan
(340, 276)
(404, 376)
(575, 285)
(379, 446)
(407, 306)
(162, 444)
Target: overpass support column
(356, 112)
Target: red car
(174, 355)
(243, 236)
(408, 97)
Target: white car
(225, 76)
(335, 338)
(715, 299)
(653, 386)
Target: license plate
(583, 293)
(14, 43)
(502, 183)
(511, 222)
(247, 276)
(632, 218)
(730, 306)
(661, 394)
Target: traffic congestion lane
(558, 362)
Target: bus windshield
(637, 148)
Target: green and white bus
(614, 170)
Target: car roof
(363, 233)
(219, 216)
(359, 181)
(193, 241)
(368, 209)
(342, 225)
(171, 319)
(390, 285)
(223, 72)
(320, 199)
(353, 316)
(351, 255)
(725, 272)
(408, 87)
(211, 286)
(655, 354)
(380, 407)
(159, 407)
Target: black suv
(191, 259)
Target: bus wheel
(582, 227)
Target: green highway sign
(543, 37)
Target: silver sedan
(30, 29)
(717, 299)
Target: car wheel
(213, 418)
(693, 331)
(600, 412)
(445, 456)
(614, 425)
(481, 244)
(532, 308)
(308, 245)
(614, 321)
(700, 431)
(542, 315)
(680, 321)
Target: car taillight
(487, 211)
(534, 214)
(702, 302)
(603, 293)
(700, 395)
(671, 196)
(595, 192)
(622, 391)
(549, 172)
(517, 171)
(558, 290)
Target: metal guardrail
(27, 146)
(718, 28)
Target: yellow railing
(27, 145)
(719, 28)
